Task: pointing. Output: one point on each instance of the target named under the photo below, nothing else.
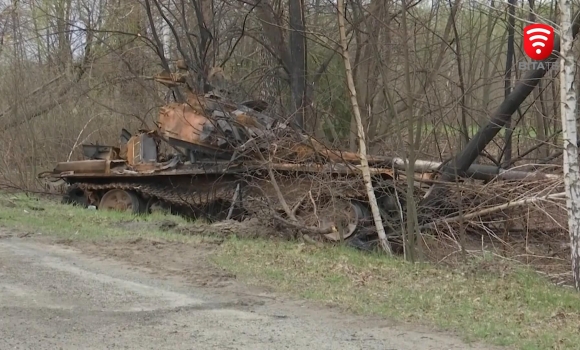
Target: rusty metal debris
(225, 156)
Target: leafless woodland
(428, 75)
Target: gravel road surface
(55, 297)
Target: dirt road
(57, 297)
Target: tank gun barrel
(481, 172)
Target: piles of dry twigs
(522, 221)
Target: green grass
(67, 221)
(486, 299)
(518, 309)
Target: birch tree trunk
(569, 132)
(166, 34)
(361, 134)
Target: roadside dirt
(152, 294)
(184, 262)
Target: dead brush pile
(525, 222)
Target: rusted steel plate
(181, 122)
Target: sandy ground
(158, 295)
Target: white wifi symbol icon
(536, 37)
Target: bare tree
(78, 71)
(361, 134)
(299, 58)
(570, 133)
(507, 154)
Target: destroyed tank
(229, 160)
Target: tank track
(205, 196)
(177, 196)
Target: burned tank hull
(220, 190)
(215, 159)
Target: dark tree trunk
(434, 203)
(507, 153)
(298, 58)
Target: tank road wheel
(121, 200)
(349, 216)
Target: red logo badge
(538, 41)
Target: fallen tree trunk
(502, 115)
(433, 204)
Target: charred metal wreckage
(212, 158)
(231, 160)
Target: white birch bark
(361, 134)
(569, 132)
(166, 35)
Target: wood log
(521, 91)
